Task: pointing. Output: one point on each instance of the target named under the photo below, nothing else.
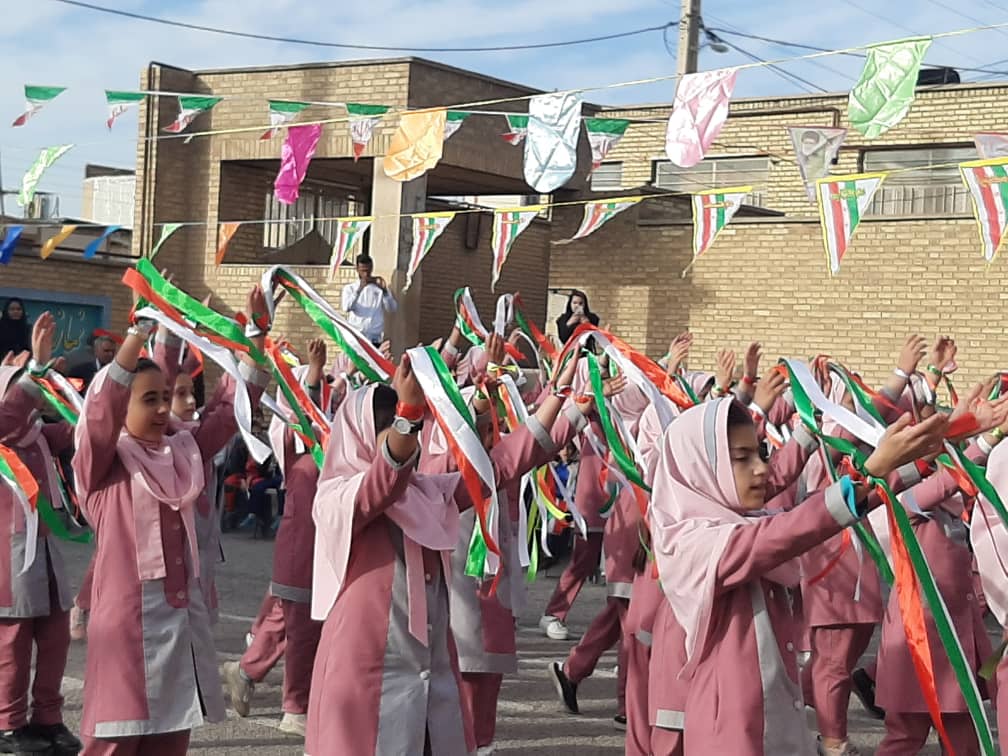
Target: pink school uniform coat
(944, 539)
(151, 663)
(27, 595)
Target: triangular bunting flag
(426, 229)
(33, 175)
(189, 108)
(35, 99)
(712, 211)
(991, 145)
(281, 112)
(603, 134)
(363, 119)
(453, 122)
(988, 184)
(92, 249)
(842, 201)
(348, 232)
(295, 157)
(815, 148)
(224, 235)
(597, 213)
(507, 226)
(517, 129)
(417, 145)
(120, 102)
(700, 110)
(166, 230)
(9, 243)
(886, 89)
(54, 241)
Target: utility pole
(689, 37)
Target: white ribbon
(868, 430)
(505, 313)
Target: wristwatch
(405, 427)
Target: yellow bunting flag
(54, 241)
(417, 145)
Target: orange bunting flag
(224, 234)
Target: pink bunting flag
(298, 149)
(700, 110)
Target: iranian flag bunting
(189, 108)
(598, 213)
(35, 99)
(603, 134)
(426, 229)
(712, 211)
(363, 119)
(281, 112)
(348, 232)
(842, 200)
(453, 122)
(987, 181)
(507, 225)
(120, 102)
(517, 129)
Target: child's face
(748, 466)
(149, 406)
(183, 399)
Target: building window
(935, 188)
(607, 177)
(715, 173)
(314, 210)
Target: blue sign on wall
(76, 315)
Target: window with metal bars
(924, 181)
(316, 209)
(607, 176)
(715, 173)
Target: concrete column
(391, 239)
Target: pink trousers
(583, 562)
(638, 734)
(605, 631)
(83, 600)
(288, 631)
(481, 690)
(835, 652)
(666, 742)
(162, 744)
(51, 637)
(907, 733)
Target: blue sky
(46, 42)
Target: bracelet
(37, 370)
(900, 372)
(252, 330)
(139, 332)
(411, 412)
(998, 434)
(718, 391)
(748, 380)
(935, 371)
(563, 392)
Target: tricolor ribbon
(469, 323)
(24, 487)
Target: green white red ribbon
(24, 487)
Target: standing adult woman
(15, 330)
(577, 314)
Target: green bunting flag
(120, 102)
(885, 92)
(29, 182)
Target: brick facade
(767, 278)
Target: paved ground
(530, 720)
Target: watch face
(402, 426)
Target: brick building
(229, 177)
(915, 262)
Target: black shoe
(63, 741)
(864, 689)
(619, 722)
(565, 688)
(22, 740)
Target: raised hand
(256, 309)
(386, 350)
(752, 359)
(769, 390)
(725, 374)
(678, 351)
(43, 333)
(406, 385)
(317, 354)
(913, 351)
(904, 442)
(943, 352)
(613, 386)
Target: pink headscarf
(990, 537)
(425, 513)
(649, 438)
(699, 380)
(695, 509)
(471, 366)
(169, 472)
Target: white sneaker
(486, 750)
(293, 724)
(248, 640)
(238, 686)
(545, 621)
(556, 630)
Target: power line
(968, 17)
(348, 46)
(804, 83)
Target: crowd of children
(757, 531)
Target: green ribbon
(612, 437)
(60, 524)
(65, 412)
